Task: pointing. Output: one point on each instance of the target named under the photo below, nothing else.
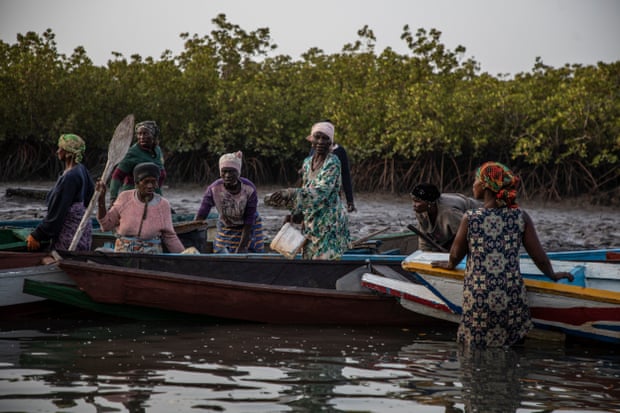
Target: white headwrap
(231, 160)
(324, 127)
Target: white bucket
(288, 241)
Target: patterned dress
(326, 224)
(495, 308)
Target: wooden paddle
(367, 237)
(119, 145)
(426, 238)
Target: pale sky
(504, 36)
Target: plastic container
(288, 241)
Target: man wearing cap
(439, 215)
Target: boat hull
(574, 310)
(12, 281)
(279, 303)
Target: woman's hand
(277, 197)
(442, 264)
(100, 187)
(559, 275)
(282, 196)
(32, 243)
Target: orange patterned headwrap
(501, 180)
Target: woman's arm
(536, 252)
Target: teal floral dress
(495, 308)
(326, 224)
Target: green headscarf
(72, 144)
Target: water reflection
(541, 376)
(163, 367)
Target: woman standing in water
(495, 307)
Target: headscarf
(231, 160)
(151, 126)
(501, 180)
(144, 170)
(72, 144)
(426, 192)
(326, 128)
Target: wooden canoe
(250, 287)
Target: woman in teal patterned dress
(495, 307)
(325, 222)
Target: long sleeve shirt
(122, 177)
(127, 218)
(74, 185)
(234, 209)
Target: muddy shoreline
(568, 225)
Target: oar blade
(119, 145)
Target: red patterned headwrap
(501, 180)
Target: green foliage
(428, 114)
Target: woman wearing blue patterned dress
(325, 222)
(495, 307)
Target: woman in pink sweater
(141, 218)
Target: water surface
(78, 364)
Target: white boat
(588, 307)
(12, 282)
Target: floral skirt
(136, 245)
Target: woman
(146, 149)
(140, 217)
(325, 222)
(240, 227)
(347, 185)
(495, 308)
(67, 201)
(439, 215)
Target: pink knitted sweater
(126, 214)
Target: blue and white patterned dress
(495, 308)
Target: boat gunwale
(548, 287)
